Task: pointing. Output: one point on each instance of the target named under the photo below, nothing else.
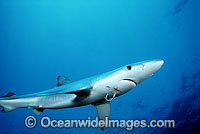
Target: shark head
(138, 72)
(129, 76)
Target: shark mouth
(131, 81)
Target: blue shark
(98, 90)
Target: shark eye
(128, 67)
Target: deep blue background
(41, 39)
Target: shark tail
(6, 107)
(12, 103)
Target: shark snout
(148, 69)
(158, 64)
(153, 66)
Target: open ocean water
(41, 39)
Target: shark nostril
(142, 67)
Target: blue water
(40, 40)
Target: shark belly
(71, 100)
(57, 101)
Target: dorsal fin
(8, 95)
(62, 80)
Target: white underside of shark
(98, 90)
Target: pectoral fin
(81, 94)
(103, 110)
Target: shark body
(97, 90)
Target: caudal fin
(8, 95)
(10, 103)
(6, 107)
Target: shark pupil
(129, 67)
